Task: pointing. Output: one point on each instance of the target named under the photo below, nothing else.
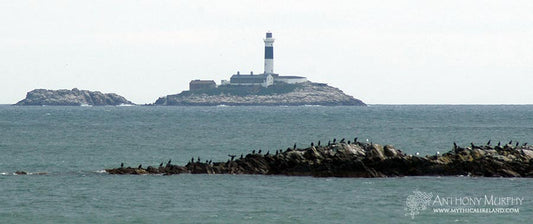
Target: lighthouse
(269, 54)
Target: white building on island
(268, 77)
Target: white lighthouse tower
(269, 54)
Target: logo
(418, 201)
(486, 204)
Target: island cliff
(307, 93)
(74, 97)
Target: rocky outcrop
(292, 95)
(74, 97)
(363, 160)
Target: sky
(382, 52)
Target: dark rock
(364, 160)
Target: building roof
(238, 78)
(290, 77)
(197, 81)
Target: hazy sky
(382, 52)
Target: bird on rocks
(488, 143)
(525, 144)
(312, 144)
(349, 142)
(294, 147)
(199, 159)
(342, 140)
(140, 166)
(253, 151)
(161, 164)
(268, 153)
(499, 143)
(242, 156)
(516, 145)
(121, 165)
(319, 143)
(334, 140)
(355, 140)
(259, 152)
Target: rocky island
(74, 97)
(361, 159)
(306, 93)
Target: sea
(65, 150)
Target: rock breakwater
(358, 159)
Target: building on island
(266, 79)
(202, 84)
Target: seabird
(355, 140)
(488, 143)
(342, 140)
(199, 159)
(454, 145)
(242, 156)
(525, 144)
(294, 147)
(268, 153)
(192, 160)
(349, 142)
(516, 144)
(334, 140)
(121, 165)
(169, 161)
(472, 144)
(253, 151)
(319, 143)
(329, 143)
(161, 164)
(499, 143)
(259, 152)
(140, 166)
(312, 144)
(510, 142)
(232, 157)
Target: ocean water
(74, 144)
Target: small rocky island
(305, 93)
(361, 159)
(74, 97)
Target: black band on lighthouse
(269, 52)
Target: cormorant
(472, 144)
(342, 140)
(349, 142)
(242, 156)
(294, 147)
(454, 145)
(516, 144)
(312, 144)
(510, 142)
(488, 143)
(253, 151)
(199, 159)
(525, 144)
(192, 160)
(355, 140)
(140, 166)
(334, 140)
(268, 153)
(232, 157)
(499, 143)
(329, 143)
(121, 165)
(161, 164)
(169, 161)
(259, 152)
(318, 142)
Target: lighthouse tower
(269, 54)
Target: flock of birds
(343, 140)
